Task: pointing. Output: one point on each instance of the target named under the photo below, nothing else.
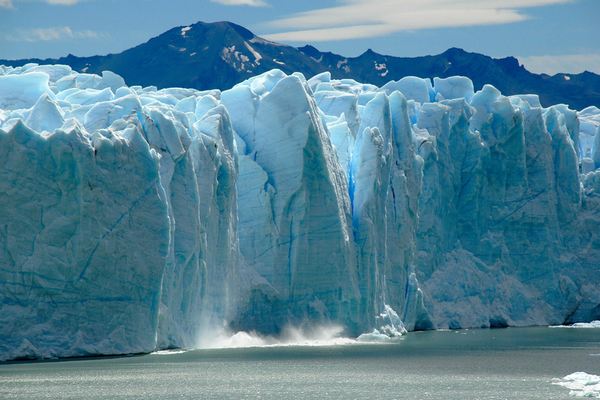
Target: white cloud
(570, 63)
(10, 3)
(253, 3)
(369, 18)
(63, 2)
(48, 34)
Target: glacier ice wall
(135, 218)
(119, 218)
(294, 208)
(72, 275)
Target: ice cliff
(134, 218)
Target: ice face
(589, 126)
(77, 276)
(136, 219)
(297, 192)
(77, 217)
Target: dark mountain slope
(579, 91)
(201, 56)
(221, 54)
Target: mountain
(579, 91)
(222, 54)
(201, 56)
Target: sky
(547, 36)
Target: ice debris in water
(388, 327)
(593, 324)
(389, 323)
(581, 384)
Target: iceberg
(136, 220)
(581, 384)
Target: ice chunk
(589, 125)
(587, 165)
(54, 72)
(532, 99)
(203, 105)
(187, 105)
(66, 82)
(335, 103)
(23, 91)
(112, 81)
(45, 115)
(455, 87)
(411, 87)
(584, 325)
(320, 78)
(482, 102)
(90, 96)
(374, 336)
(102, 114)
(343, 140)
(581, 384)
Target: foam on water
(291, 336)
(581, 385)
(169, 352)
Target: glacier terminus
(135, 219)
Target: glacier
(136, 219)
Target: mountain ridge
(221, 54)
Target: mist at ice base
(290, 336)
(135, 218)
(390, 330)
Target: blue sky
(545, 35)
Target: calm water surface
(518, 363)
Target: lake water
(515, 363)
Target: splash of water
(585, 325)
(327, 335)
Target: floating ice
(584, 325)
(581, 384)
